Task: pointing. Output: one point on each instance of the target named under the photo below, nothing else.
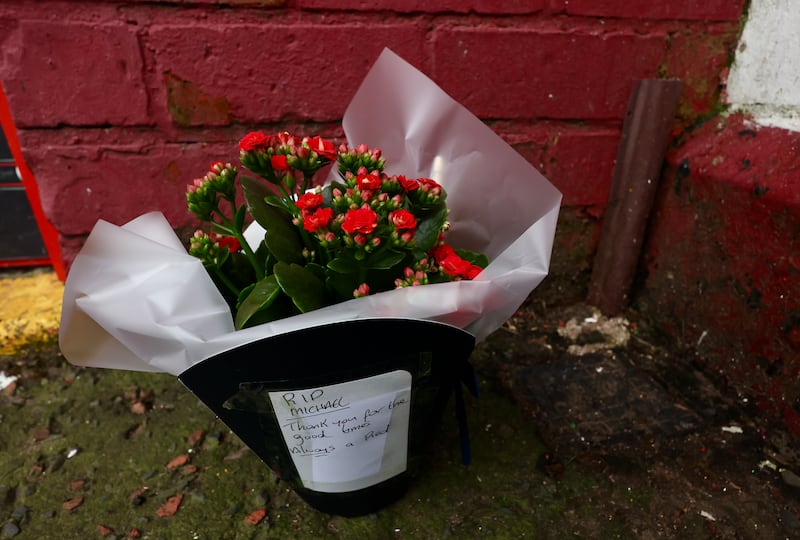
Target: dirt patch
(678, 455)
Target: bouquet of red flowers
(323, 263)
(363, 233)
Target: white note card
(347, 436)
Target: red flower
(370, 181)
(408, 185)
(455, 266)
(402, 219)
(255, 140)
(279, 162)
(322, 147)
(473, 271)
(309, 201)
(362, 220)
(318, 220)
(229, 242)
(441, 251)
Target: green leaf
(342, 285)
(316, 269)
(255, 193)
(285, 245)
(343, 264)
(327, 192)
(238, 218)
(428, 229)
(385, 259)
(302, 286)
(282, 237)
(478, 259)
(261, 297)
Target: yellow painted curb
(30, 308)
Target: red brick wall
(121, 103)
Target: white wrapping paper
(135, 299)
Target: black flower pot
(342, 412)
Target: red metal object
(46, 229)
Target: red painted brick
(270, 72)
(430, 6)
(705, 10)
(81, 184)
(721, 258)
(579, 161)
(75, 73)
(543, 72)
(698, 57)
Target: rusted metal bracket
(645, 135)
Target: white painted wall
(765, 76)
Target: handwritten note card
(347, 436)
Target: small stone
(790, 478)
(72, 504)
(10, 530)
(196, 438)
(19, 513)
(237, 454)
(213, 440)
(170, 507)
(178, 461)
(75, 485)
(138, 497)
(255, 517)
(138, 407)
(189, 469)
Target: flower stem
(226, 281)
(234, 231)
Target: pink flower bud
(362, 148)
(360, 239)
(362, 290)
(302, 152)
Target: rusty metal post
(645, 135)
